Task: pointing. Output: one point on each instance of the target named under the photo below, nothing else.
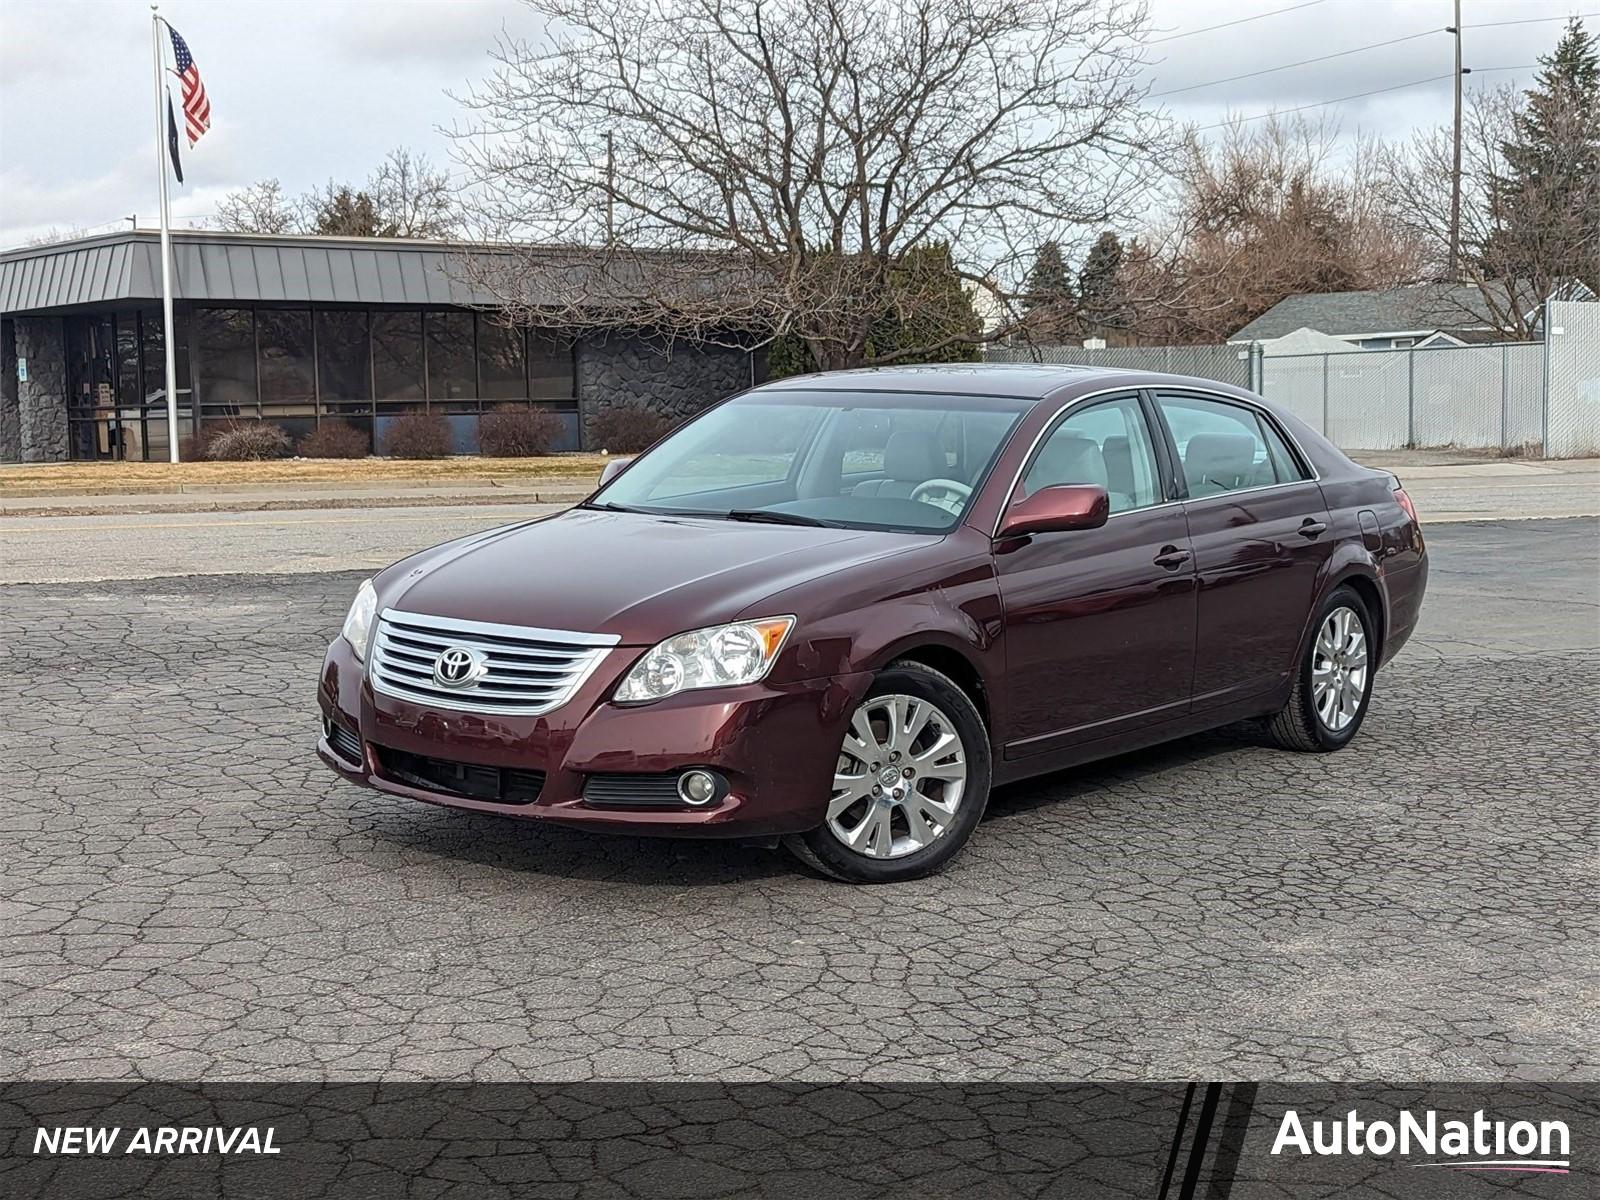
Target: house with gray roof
(299, 330)
(1423, 314)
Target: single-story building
(299, 330)
(1422, 314)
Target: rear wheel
(1334, 683)
(910, 782)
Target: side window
(1223, 447)
(1108, 444)
(1283, 460)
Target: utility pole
(1455, 171)
(610, 184)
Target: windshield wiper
(768, 517)
(607, 506)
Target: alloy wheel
(899, 779)
(1339, 669)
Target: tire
(1318, 716)
(930, 793)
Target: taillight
(1404, 501)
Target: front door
(1100, 623)
(94, 428)
(1259, 526)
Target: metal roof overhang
(125, 268)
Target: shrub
(516, 431)
(627, 429)
(335, 439)
(245, 441)
(418, 434)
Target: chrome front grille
(517, 670)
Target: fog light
(698, 787)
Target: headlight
(358, 621)
(721, 656)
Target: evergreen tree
(1049, 285)
(1547, 203)
(1047, 296)
(1100, 284)
(925, 302)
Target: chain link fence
(1533, 398)
(1225, 364)
(1572, 417)
(1469, 396)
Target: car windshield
(857, 460)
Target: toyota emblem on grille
(457, 667)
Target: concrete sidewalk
(1447, 486)
(199, 498)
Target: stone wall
(10, 450)
(680, 380)
(42, 400)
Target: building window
(344, 361)
(128, 381)
(288, 379)
(551, 375)
(452, 367)
(225, 346)
(502, 360)
(397, 355)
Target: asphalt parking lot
(189, 894)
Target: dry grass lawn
(110, 478)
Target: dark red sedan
(836, 610)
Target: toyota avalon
(836, 610)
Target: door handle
(1171, 558)
(1310, 528)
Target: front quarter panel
(944, 595)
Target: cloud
(309, 91)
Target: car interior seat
(1219, 462)
(1074, 460)
(910, 457)
(1119, 464)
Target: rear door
(1259, 529)
(1100, 623)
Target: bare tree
(406, 197)
(413, 199)
(1263, 211)
(260, 208)
(1527, 235)
(767, 166)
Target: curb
(289, 504)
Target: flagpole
(169, 337)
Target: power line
(1531, 20)
(1302, 63)
(1227, 24)
(1284, 112)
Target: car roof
(1026, 381)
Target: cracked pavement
(188, 894)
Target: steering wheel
(948, 494)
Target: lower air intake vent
(346, 743)
(632, 791)
(473, 781)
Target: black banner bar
(80, 1141)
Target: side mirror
(612, 469)
(1051, 509)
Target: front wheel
(1334, 682)
(910, 782)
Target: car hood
(640, 576)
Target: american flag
(196, 108)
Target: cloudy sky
(307, 90)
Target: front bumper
(776, 744)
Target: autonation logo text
(1477, 1144)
